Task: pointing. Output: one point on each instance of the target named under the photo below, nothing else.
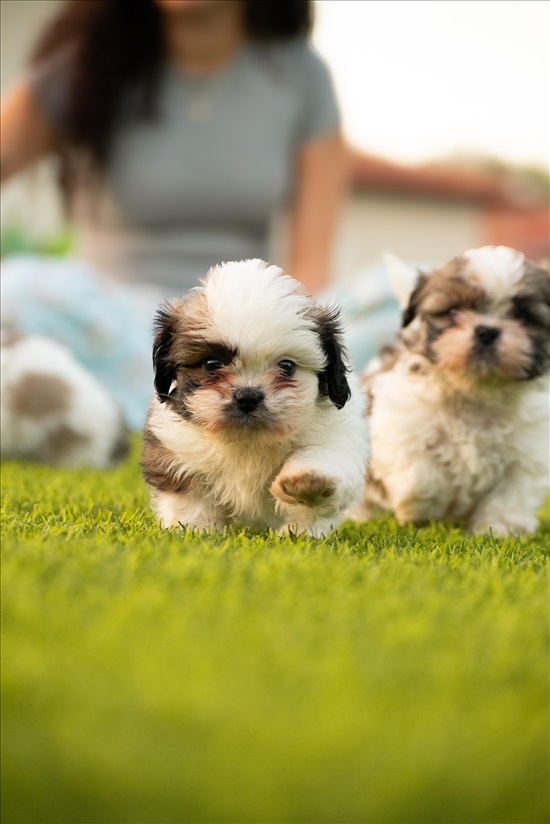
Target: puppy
(459, 406)
(255, 420)
(53, 410)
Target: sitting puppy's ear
(332, 380)
(165, 369)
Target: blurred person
(180, 126)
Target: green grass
(384, 674)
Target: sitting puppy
(254, 420)
(459, 407)
(53, 410)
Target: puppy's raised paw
(306, 487)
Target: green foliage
(15, 240)
(382, 674)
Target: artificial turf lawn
(384, 674)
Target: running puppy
(255, 420)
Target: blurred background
(446, 113)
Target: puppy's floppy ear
(406, 282)
(164, 330)
(332, 379)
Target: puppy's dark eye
(287, 367)
(211, 365)
(445, 313)
(528, 312)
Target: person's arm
(320, 184)
(25, 134)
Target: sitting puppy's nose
(487, 334)
(248, 399)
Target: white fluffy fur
(460, 449)
(53, 410)
(483, 459)
(499, 267)
(258, 477)
(255, 308)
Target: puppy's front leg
(322, 480)
(511, 507)
(304, 495)
(176, 509)
(314, 489)
(419, 493)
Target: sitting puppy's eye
(529, 313)
(445, 313)
(287, 367)
(211, 365)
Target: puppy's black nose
(486, 335)
(248, 399)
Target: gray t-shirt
(199, 184)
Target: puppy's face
(248, 352)
(486, 313)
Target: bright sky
(419, 79)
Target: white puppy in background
(459, 407)
(53, 410)
(255, 420)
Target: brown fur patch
(531, 308)
(435, 300)
(377, 492)
(443, 292)
(456, 267)
(38, 396)
(64, 438)
(10, 337)
(303, 486)
(533, 294)
(59, 443)
(389, 355)
(192, 333)
(514, 351)
(159, 469)
(444, 288)
(184, 338)
(537, 275)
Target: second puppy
(459, 407)
(255, 420)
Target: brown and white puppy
(459, 407)
(53, 410)
(255, 420)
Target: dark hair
(120, 46)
